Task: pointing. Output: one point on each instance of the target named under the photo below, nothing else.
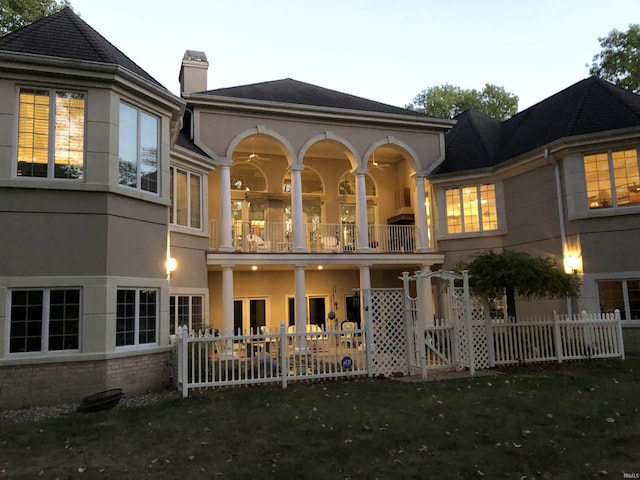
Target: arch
(244, 183)
(351, 153)
(261, 130)
(412, 156)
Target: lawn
(575, 420)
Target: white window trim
(136, 345)
(51, 144)
(138, 187)
(174, 190)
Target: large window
(186, 199)
(51, 134)
(136, 317)
(186, 310)
(612, 179)
(623, 295)
(471, 209)
(44, 320)
(138, 149)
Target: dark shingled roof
(589, 106)
(300, 93)
(185, 142)
(65, 35)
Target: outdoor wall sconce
(172, 264)
(573, 264)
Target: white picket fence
(282, 355)
(507, 342)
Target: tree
(447, 101)
(619, 60)
(15, 14)
(514, 273)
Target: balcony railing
(274, 237)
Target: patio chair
(348, 338)
(257, 244)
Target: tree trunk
(511, 302)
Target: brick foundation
(631, 336)
(24, 386)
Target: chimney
(193, 72)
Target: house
(127, 211)
(559, 179)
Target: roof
(65, 35)
(295, 92)
(185, 142)
(587, 107)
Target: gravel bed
(35, 414)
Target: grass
(576, 420)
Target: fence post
(488, 325)
(419, 328)
(183, 362)
(368, 330)
(284, 354)
(557, 336)
(467, 316)
(616, 314)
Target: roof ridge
(85, 29)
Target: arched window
(311, 182)
(347, 185)
(246, 176)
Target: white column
(227, 307)
(300, 309)
(361, 213)
(299, 244)
(427, 295)
(365, 284)
(421, 216)
(226, 240)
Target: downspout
(563, 232)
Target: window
(245, 176)
(612, 179)
(185, 310)
(44, 320)
(138, 149)
(347, 185)
(136, 317)
(186, 198)
(623, 295)
(51, 134)
(471, 209)
(309, 179)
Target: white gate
(453, 342)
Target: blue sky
(382, 50)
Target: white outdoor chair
(348, 337)
(257, 244)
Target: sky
(383, 50)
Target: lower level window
(185, 310)
(44, 320)
(136, 317)
(623, 295)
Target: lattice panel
(389, 342)
(480, 349)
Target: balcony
(271, 237)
